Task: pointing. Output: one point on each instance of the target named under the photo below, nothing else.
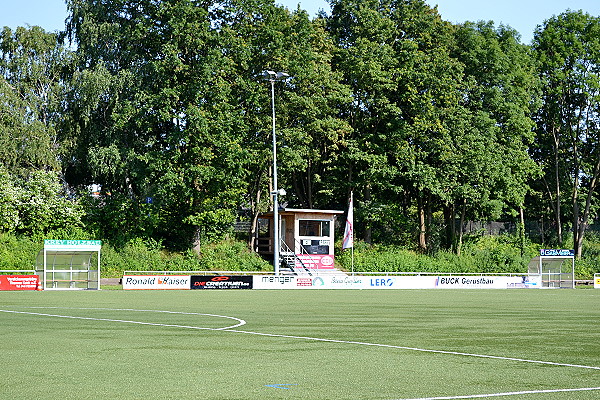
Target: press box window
(314, 228)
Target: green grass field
(388, 344)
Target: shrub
(484, 254)
(231, 255)
(18, 252)
(148, 255)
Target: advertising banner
(317, 261)
(393, 282)
(557, 253)
(308, 282)
(487, 282)
(153, 282)
(221, 282)
(18, 282)
(77, 245)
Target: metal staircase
(291, 264)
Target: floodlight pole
(273, 77)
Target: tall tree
(567, 48)
(32, 197)
(315, 133)
(31, 89)
(258, 36)
(395, 57)
(158, 123)
(500, 92)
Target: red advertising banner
(19, 282)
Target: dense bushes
(35, 203)
(476, 258)
(139, 255)
(19, 252)
(485, 254)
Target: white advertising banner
(394, 282)
(148, 282)
(308, 282)
(487, 282)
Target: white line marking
(456, 353)
(481, 396)
(240, 321)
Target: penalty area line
(390, 346)
(488, 395)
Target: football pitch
(300, 344)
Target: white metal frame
(556, 255)
(329, 238)
(73, 247)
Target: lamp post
(273, 77)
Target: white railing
(197, 272)
(285, 248)
(21, 271)
(384, 273)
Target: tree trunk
(196, 242)
(422, 224)
(578, 245)
(461, 231)
(368, 230)
(522, 230)
(254, 223)
(450, 236)
(428, 221)
(557, 210)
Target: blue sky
(522, 15)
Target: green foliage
(428, 122)
(588, 264)
(230, 255)
(148, 255)
(18, 252)
(486, 254)
(118, 218)
(35, 204)
(567, 50)
(31, 63)
(499, 254)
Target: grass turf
(48, 357)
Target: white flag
(349, 231)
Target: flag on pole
(349, 231)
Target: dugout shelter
(69, 264)
(556, 268)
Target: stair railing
(306, 254)
(285, 248)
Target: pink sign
(317, 261)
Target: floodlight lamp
(269, 74)
(274, 76)
(282, 192)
